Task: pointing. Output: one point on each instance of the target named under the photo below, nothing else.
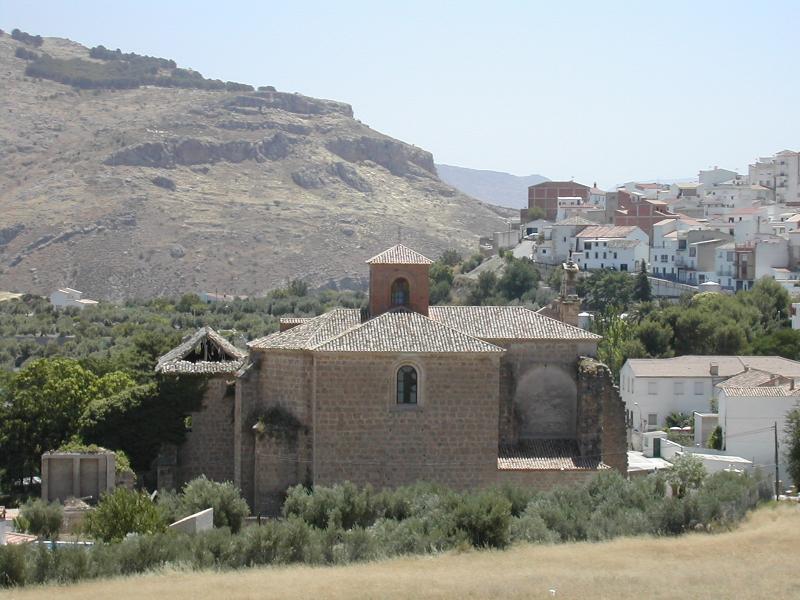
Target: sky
(604, 91)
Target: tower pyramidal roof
(399, 255)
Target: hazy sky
(602, 91)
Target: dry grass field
(757, 560)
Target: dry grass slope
(758, 560)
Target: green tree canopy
(641, 289)
(519, 278)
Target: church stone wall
(450, 437)
(538, 397)
(208, 449)
(268, 466)
(601, 416)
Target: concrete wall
(73, 475)
(363, 436)
(746, 426)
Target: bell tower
(398, 280)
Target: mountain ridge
(148, 191)
(495, 187)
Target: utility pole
(777, 490)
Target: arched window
(406, 385)
(400, 294)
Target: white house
(780, 173)
(563, 238)
(622, 248)
(652, 388)
(66, 297)
(748, 414)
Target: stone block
(199, 521)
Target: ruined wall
(363, 436)
(208, 449)
(538, 388)
(601, 415)
(281, 378)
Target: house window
(652, 388)
(406, 385)
(678, 388)
(652, 420)
(698, 388)
(623, 266)
(400, 292)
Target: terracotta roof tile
(507, 323)
(405, 332)
(312, 332)
(531, 455)
(399, 255)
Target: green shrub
(530, 527)
(687, 473)
(342, 505)
(13, 565)
(230, 509)
(40, 518)
(122, 512)
(485, 518)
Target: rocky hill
(494, 187)
(151, 190)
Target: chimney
(713, 369)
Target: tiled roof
(506, 323)
(607, 231)
(752, 378)
(399, 255)
(562, 455)
(761, 392)
(700, 366)
(295, 320)
(13, 538)
(404, 332)
(311, 332)
(173, 361)
(577, 220)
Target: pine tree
(641, 289)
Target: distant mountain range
(501, 189)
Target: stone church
(466, 396)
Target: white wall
(662, 396)
(746, 426)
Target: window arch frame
(420, 383)
(393, 291)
